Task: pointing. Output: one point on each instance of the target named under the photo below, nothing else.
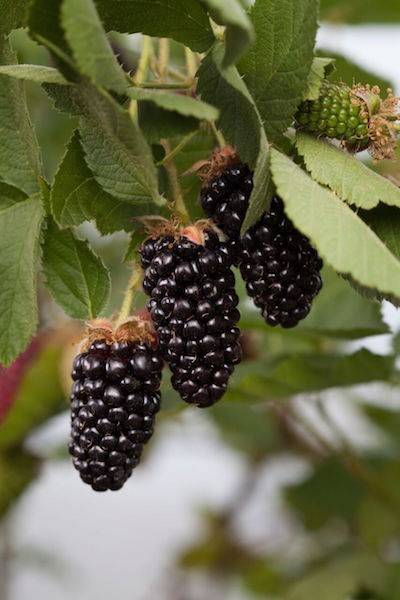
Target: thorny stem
(218, 135)
(178, 148)
(179, 206)
(134, 285)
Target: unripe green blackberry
(357, 116)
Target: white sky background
(120, 545)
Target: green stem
(187, 84)
(135, 283)
(218, 135)
(191, 63)
(177, 149)
(163, 57)
(143, 66)
(179, 207)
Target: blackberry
(356, 116)
(193, 305)
(278, 264)
(280, 268)
(114, 399)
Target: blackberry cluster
(280, 268)
(278, 264)
(336, 114)
(114, 399)
(193, 307)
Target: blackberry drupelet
(278, 264)
(280, 267)
(193, 307)
(114, 399)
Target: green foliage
(349, 178)
(341, 237)
(19, 152)
(13, 14)
(360, 11)
(185, 21)
(277, 66)
(239, 31)
(20, 225)
(76, 196)
(225, 89)
(76, 277)
(89, 44)
(16, 473)
(36, 73)
(320, 69)
(184, 105)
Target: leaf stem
(134, 285)
(143, 66)
(163, 57)
(191, 63)
(179, 207)
(171, 155)
(187, 84)
(218, 135)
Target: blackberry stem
(191, 63)
(134, 285)
(177, 148)
(140, 76)
(187, 84)
(179, 206)
(218, 135)
(163, 57)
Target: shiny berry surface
(114, 399)
(193, 306)
(278, 264)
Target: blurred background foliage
(345, 513)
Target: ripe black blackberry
(278, 264)
(114, 399)
(193, 304)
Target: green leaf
(338, 311)
(340, 578)
(347, 176)
(76, 277)
(135, 242)
(13, 14)
(248, 429)
(330, 493)
(277, 66)
(185, 21)
(241, 124)
(20, 164)
(360, 11)
(91, 49)
(39, 396)
(157, 123)
(76, 196)
(45, 23)
(320, 69)
(20, 225)
(184, 105)
(313, 373)
(37, 73)
(385, 222)
(239, 30)
(116, 151)
(17, 471)
(340, 236)
(10, 195)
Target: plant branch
(187, 84)
(177, 149)
(179, 207)
(135, 283)
(163, 57)
(218, 135)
